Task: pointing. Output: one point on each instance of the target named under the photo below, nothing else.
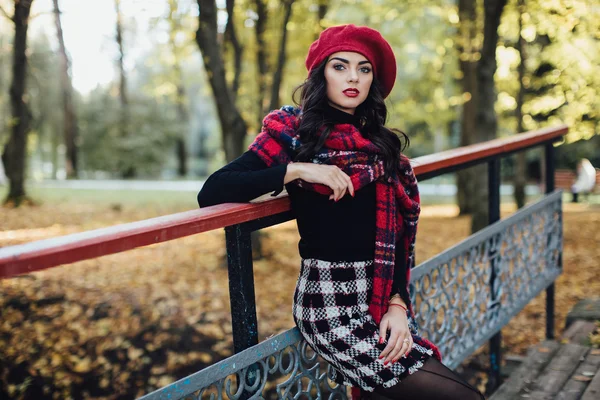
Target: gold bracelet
(394, 296)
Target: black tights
(431, 382)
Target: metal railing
(434, 283)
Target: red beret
(360, 39)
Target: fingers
(329, 175)
(340, 183)
(389, 348)
(404, 349)
(383, 326)
(393, 354)
(350, 184)
(396, 347)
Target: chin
(349, 103)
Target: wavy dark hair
(373, 112)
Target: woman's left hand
(396, 321)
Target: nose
(352, 75)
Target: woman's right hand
(329, 175)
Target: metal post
(494, 190)
(493, 216)
(241, 296)
(549, 158)
(241, 288)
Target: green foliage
(5, 76)
(562, 67)
(562, 83)
(425, 99)
(153, 130)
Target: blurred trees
(46, 146)
(483, 95)
(126, 127)
(14, 153)
(176, 28)
(468, 43)
(125, 166)
(224, 49)
(477, 41)
(549, 76)
(233, 126)
(70, 119)
(520, 175)
(167, 90)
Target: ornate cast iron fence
(283, 366)
(455, 307)
(498, 262)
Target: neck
(344, 109)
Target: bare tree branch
(287, 6)
(231, 35)
(233, 126)
(6, 14)
(260, 26)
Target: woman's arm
(248, 177)
(243, 179)
(400, 285)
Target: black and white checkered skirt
(331, 311)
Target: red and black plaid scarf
(397, 200)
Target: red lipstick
(351, 92)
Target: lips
(350, 92)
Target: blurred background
(114, 111)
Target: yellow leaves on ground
(128, 323)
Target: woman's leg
(433, 381)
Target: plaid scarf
(397, 199)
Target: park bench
(564, 178)
(462, 297)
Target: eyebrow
(348, 62)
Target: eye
(335, 66)
(365, 70)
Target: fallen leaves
(126, 324)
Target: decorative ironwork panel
(282, 367)
(453, 302)
(452, 292)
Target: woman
(356, 201)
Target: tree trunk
(56, 141)
(261, 57)
(70, 120)
(180, 100)
(127, 170)
(3, 85)
(15, 151)
(487, 123)
(230, 34)
(122, 76)
(182, 114)
(321, 12)
(520, 173)
(233, 127)
(467, 32)
(281, 57)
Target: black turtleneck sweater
(329, 230)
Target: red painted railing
(42, 254)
